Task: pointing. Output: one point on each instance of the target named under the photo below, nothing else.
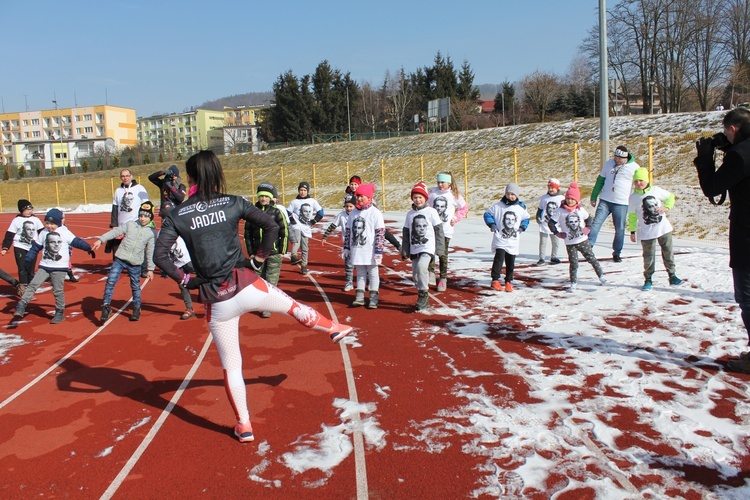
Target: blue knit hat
(55, 216)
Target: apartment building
(182, 133)
(57, 138)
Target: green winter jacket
(137, 241)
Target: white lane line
(67, 356)
(117, 482)
(360, 467)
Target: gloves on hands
(92, 254)
(493, 227)
(705, 146)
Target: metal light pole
(348, 114)
(603, 92)
(651, 86)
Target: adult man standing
(613, 188)
(128, 197)
(732, 176)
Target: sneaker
(59, 317)
(265, 314)
(646, 286)
(244, 432)
(303, 270)
(603, 280)
(442, 285)
(106, 311)
(72, 277)
(295, 260)
(674, 280)
(508, 286)
(338, 331)
(572, 287)
(616, 257)
(136, 314)
(349, 286)
(540, 262)
(555, 260)
(497, 286)
(739, 365)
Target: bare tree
(400, 94)
(371, 108)
(539, 90)
(466, 113)
(706, 61)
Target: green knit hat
(640, 174)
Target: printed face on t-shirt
(305, 213)
(52, 246)
(419, 230)
(358, 230)
(441, 205)
(27, 233)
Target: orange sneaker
(497, 286)
(508, 286)
(338, 331)
(244, 432)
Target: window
(88, 130)
(36, 133)
(79, 130)
(26, 123)
(78, 118)
(87, 118)
(35, 121)
(14, 123)
(26, 135)
(99, 117)
(99, 131)
(59, 156)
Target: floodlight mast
(603, 80)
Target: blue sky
(164, 56)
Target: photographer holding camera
(732, 176)
(171, 191)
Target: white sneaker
(603, 281)
(572, 287)
(349, 286)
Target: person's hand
(404, 255)
(378, 259)
(493, 227)
(562, 236)
(593, 203)
(150, 275)
(96, 244)
(4, 251)
(705, 146)
(453, 222)
(632, 237)
(344, 255)
(586, 230)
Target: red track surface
(75, 429)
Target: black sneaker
(136, 314)
(616, 257)
(555, 260)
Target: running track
(138, 410)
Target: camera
(720, 141)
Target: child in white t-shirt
(647, 221)
(363, 244)
(422, 239)
(451, 207)
(548, 205)
(507, 219)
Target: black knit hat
(24, 204)
(267, 189)
(305, 185)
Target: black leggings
(497, 265)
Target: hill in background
(248, 99)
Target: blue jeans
(741, 278)
(114, 275)
(619, 217)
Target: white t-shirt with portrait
(25, 230)
(55, 250)
(446, 205)
(421, 225)
(360, 229)
(651, 224)
(549, 204)
(128, 200)
(508, 220)
(572, 224)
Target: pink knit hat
(366, 190)
(573, 192)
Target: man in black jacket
(171, 190)
(733, 176)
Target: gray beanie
(513, 188)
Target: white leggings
(223, 322)
(369, 274)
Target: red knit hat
(355, 178)
(366, 190)
(573, 192)
(420, 188)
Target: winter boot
(59, 316)
(136, 314)
(359, 298)
(72, 277)
(106, 311)
(423, 300)
(20, 310)
(373, 304)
